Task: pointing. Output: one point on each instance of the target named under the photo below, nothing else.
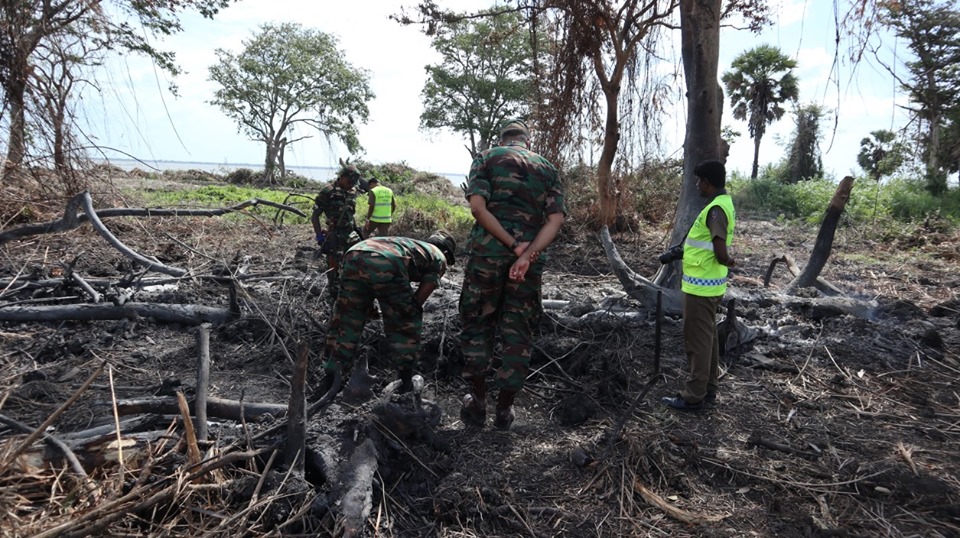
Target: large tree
(931, 30)
(803, 153)
(26, 26)
(590, 50)
(484, 76)
(760, 82)
(881, 154)
(288, 76)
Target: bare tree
(28, 25)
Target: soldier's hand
(463, 187)
(519, 268)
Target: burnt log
(824, 243)
(167, 313)
(216, 407)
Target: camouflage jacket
(337, 206)
(424, 262)
(521, 189)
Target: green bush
(900, 199)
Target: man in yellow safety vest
(706, 259)
(380, 213)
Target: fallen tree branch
(71, 219)
(635, 285)
(756, 439)
(168, 313)
(676, 513)
(98, 225)
(822, 285)
(216, 407)
(50, 440)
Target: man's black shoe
(678, 402)
(710, 398)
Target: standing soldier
(382, 206)
(517, 200)
(337, 203)
(382, 268)
(706, 263)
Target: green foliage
(881, 154)
(288, 76)
(484, 77)
(650, 194)
(931, 31)
(902, 200)
(419, 211)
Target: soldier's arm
(548, 232)
(478, 207)
(423, 291)
(371, 203)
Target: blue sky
(135, 113)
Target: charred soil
(827, 424)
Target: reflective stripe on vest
(382, 209)
(703, 275)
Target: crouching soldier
(383, 268)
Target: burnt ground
(827, 424)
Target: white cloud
(137, 115)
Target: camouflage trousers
(334, 247)
(490, 300)
(367, 276)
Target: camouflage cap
(445, 242)
(514, 126)
(350, 172)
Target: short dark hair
(373, 180)
(713, 171)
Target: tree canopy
(37, 31)
(484, 77)
(289, 76)
(931, 30)
(759, 83)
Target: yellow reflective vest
(383, 207)
(703, 275)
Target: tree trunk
(270, 162)
(280, 162)
(606, 189)
(700, 48)
(824, 244)
(756, 156)
(16, 144)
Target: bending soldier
(383, 268)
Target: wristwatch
(515, 244)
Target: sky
(135, 114)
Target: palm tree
(759, 82)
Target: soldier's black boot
(505, 415)
(474, 409)
(328, 381)
(406, 380)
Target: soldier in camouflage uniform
(336, 202)
(517, 200)
(382, 268)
